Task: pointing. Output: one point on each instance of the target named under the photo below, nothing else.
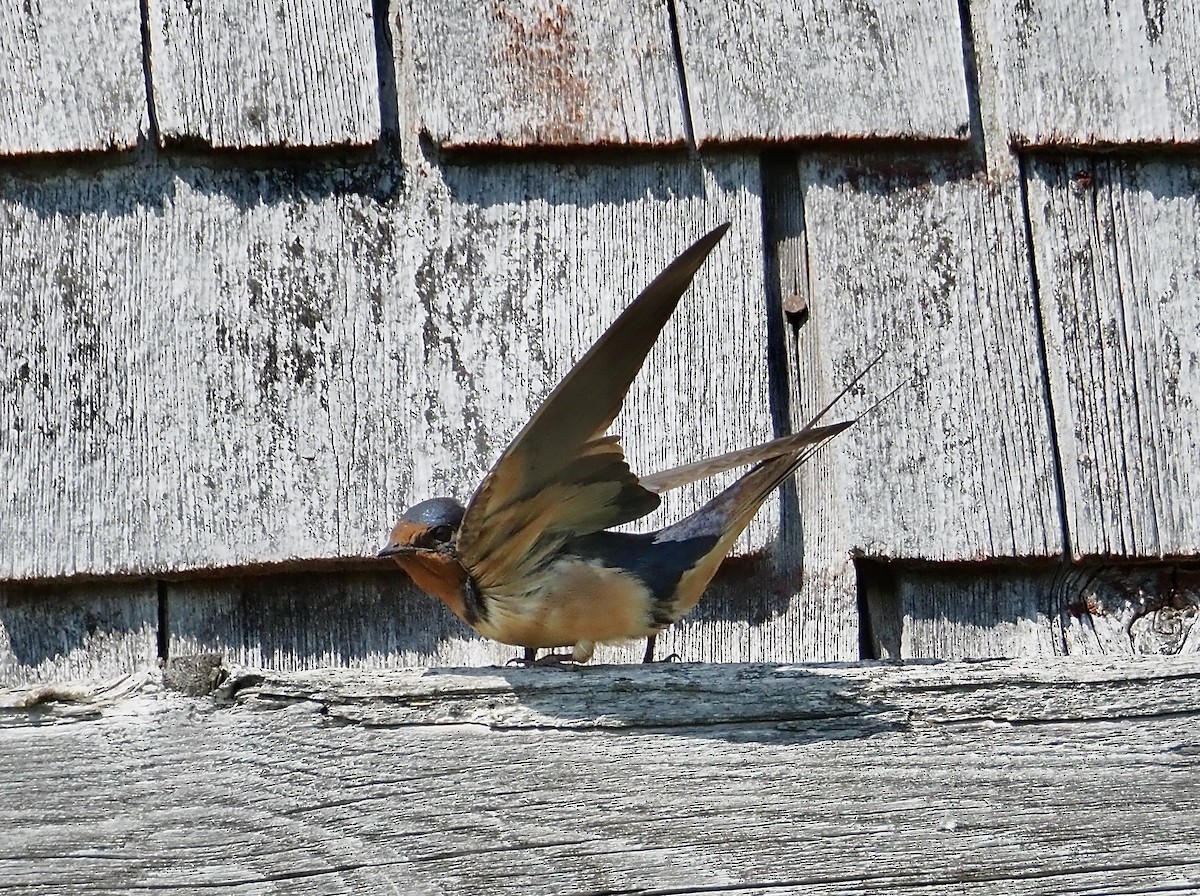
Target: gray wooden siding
(77, 632)
(972, 610)
(801, 69)
(71, 76)
(212, 370)
(264, 73)
(215, 365)
(1082, 73)
(1117, 248)
(930, 267)
(538, 73)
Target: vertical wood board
(214, 369)
(957, 465)
(1117, 248)
(1083, 73)
(77, 632)
(538, 73)
(72, 76)
(264, 73)
(798, 69)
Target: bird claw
(530, 659)
(561, 660)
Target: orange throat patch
(439, 575)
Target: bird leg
(648, 656)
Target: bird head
(430, 526)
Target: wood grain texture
(76, 632)
(538, 73)
(955, 611)
(219, 369)
(813, 540)
(914, 780)
(1116, 247)
(1144, 609)
(930, 268)
(812, 69)
(72, 76)
(264, 73)
(1081, 73)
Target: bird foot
(669, 658)
(556, 659)
(530, 659)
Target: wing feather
(560, 477)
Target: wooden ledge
(666, 695)
(682, 695)
(999, 777)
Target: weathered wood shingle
(777, 70)
(71, 76)
(931, 268)
(1116, 247)
(264, 73)
(213, 369)
(538, 73)
(1085, 73)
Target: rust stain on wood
(540, 49)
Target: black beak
(393, 549)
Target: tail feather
(720, 522)
(712, 466)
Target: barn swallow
(530, 561)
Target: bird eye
(441, 533)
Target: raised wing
(561, 476)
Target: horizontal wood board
(1075, 72)
(537, 73)
(1116, 248)
(71, 76)
(931, 268)
(76, 632)
(328, 351)
(828, 780)
(778, 70)
(1032, 610)
(263, 73)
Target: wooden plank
(931, 268)
(963, 611)
(1081, 73)
(994, 610)
(1116, 246)
(264, 73)
(898, 779)
(538, 73)
(76, 632)
(1151, 608)
(816, 69)
(321, 358)
(72, 78)
(813, 543)
(364, 620)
